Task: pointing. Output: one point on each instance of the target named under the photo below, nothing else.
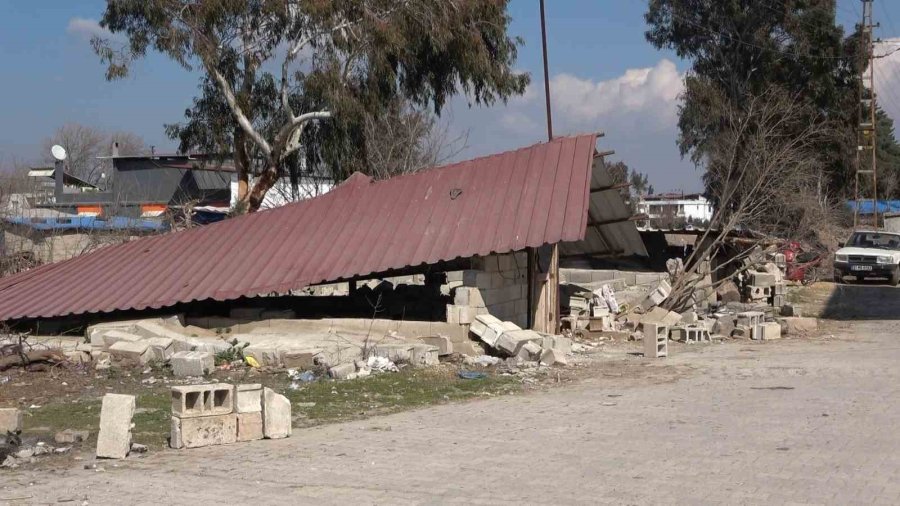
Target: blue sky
(605, 76)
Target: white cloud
(887, 78)
(87, 28)
(652, 92)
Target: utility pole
(543, 263)
(866, 159)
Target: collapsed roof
(543, 194)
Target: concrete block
(300, 359)
(250, 426)
(77, 357)
(114, 438)
(656, 340)
(192, 363)
(248, 398)
(10, 420)
(723, 326)
(481, 323)
(443, 344)
(110, 337)
(70, 436)
(553, 357)
(203, 431)
(600, 324)
(161, 348)
(424, 355)
(190, 401)
(750, 318)
(130, 353)
(94, 333)
(468, 296)
(771, 330)
(689, 317)
(762, 279)
(276, 415)
(495, 330)
(342, 371)
(267, 355)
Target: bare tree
(760, 170)
(85, 145)
(408, 140)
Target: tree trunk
(263, 184)
(242, 165)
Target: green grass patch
(151, 419)
(327, 401)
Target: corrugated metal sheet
(500, 203)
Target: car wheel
(839, 278)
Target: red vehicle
(800, 264)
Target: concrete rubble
(509, 340)
(10, 420)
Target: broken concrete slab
(192, 363)
(248, 398)
(469, 348)
(152, 328)
(553, 357)
(10, 420)
(661, 316)
(276, 415)
(529, 352)
(510, 341)
(161, 348)
(249, 426)
(203, 431)
(130, 353)
(266, 355)
(110, 337)
(481, 323)
(798, 325)
(560, 343)
(114, 439)
(423, 355)
(443, 344)
(300, 359)
(342, 371)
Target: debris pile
(509, 340)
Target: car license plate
(860, 267)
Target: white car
(869, 254)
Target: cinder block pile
(766, 286)
(497, 285)
(509, 340)
(219, 413)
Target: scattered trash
(251, 361)
(482, 360)
(471, 375)
(304, 377)
(381, 364)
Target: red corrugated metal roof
(500, 203)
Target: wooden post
(545, 290)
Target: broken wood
(51, 356)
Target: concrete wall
(496, 283)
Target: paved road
(785, 422)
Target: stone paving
(785, 422)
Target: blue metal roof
(88, 223)
(884, 206)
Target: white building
(668, 210)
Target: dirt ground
(790, 421)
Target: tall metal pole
(546, 74)
(867, 120)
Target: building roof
(674, 196)
(68, 179)
(506, 202)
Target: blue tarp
(88, 223)
(884, 206)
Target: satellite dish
(58, 152)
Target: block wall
(496, 284)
